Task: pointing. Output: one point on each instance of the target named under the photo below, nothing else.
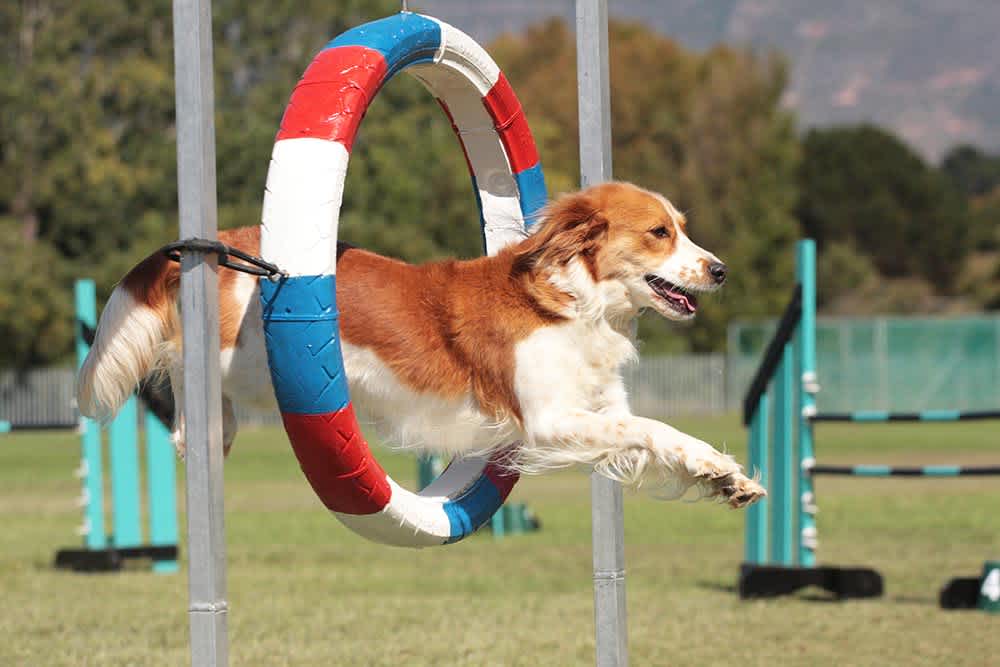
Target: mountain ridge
(924, 70)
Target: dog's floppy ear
(573, 227)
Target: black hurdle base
(768, 581)
(960, 593)
(109, 560)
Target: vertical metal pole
(756, 522)
(805, 268)
(202, 407)
(92, 465)
(782, 492)
(607, 509)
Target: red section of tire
(338, 462)
(331, 98)
(510, 123)
(501, 478)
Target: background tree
(864, 185)
(87, 144)
(35, 318)
(408, 192)
(972, 171)
(705, 129)
(88, 173)
(977, 175)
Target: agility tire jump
(305, 185)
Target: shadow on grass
(809, 596)
(814, 595)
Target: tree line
(87, 164)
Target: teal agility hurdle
(779, 410)
(105, 550)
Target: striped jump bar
(923, 416)
(301, 210)
(905, 471)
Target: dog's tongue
(688, 301)
(673, 294)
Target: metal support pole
(202, 407)
(607, 510)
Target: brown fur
(636, 214)
(450, 327)
(444, 327)
(156, 279)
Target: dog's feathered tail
(139, 318)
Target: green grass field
(305, 591)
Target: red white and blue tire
(305, 184)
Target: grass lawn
(303, 590)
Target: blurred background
(871, 127)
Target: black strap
(255, 266)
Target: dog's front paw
(737, 490)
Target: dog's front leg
(635, 450)
(717, 474)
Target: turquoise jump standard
(119, 464)
(779, 410)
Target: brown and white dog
(459, 357)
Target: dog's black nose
(718, 272)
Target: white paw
(736, 489)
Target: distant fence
(39, 396)
(893, 363)
(896, 364)
(677, 385)
(658, 387)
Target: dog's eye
(660, 232)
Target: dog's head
(620, 232)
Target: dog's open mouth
(678, 300)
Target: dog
(462, 357)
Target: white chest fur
(408, 418)
(575, 366)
